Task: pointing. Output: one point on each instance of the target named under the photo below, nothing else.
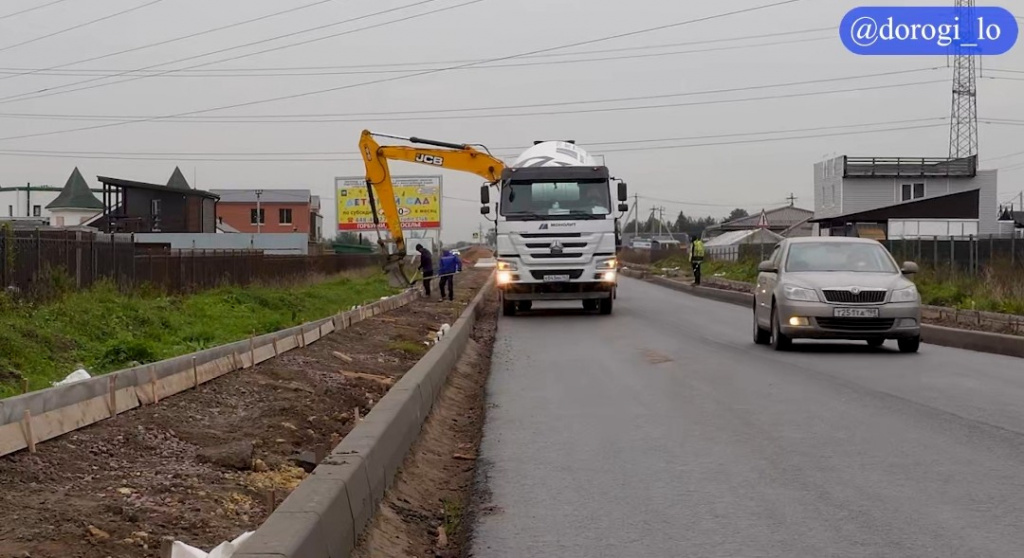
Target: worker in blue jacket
(450, 265)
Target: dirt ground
(202, 467)
(428, 511)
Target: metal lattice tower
(963, 123)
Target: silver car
(824, 287)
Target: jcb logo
(429, 159)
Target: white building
(75, 204)
(30, 200)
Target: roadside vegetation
(104, 329)
(998, 288)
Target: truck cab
(557, 234)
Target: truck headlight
(506, 265)
(611, 263)
(504, 277)
(908, 294)
(608, 276)
(792, 292)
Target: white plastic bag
(223, 550)
(76, 376)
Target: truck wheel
(606, 305)
(508, 307)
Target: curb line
(978, 341)
(324, 516)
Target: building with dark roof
(791, 220)
(904, 197)
(174, 207)
(75, 205)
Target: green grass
(106, 330)
(995, 289)
(409, 347)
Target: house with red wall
(271, 211)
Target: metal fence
(969, 254)
(38, 262)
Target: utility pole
(259, 213)
(792, 199)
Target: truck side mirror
(485, 195)
(485, 210)
(623, 194)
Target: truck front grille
(541, 274)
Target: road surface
(663, 431)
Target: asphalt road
(663, 431)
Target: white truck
(557, 235)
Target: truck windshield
(531, 200)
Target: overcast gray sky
(707, 56)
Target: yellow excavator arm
(380, 190)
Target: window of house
(284, 216)
(911, 191)
(262, 216)
(37, 210)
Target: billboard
(418, 197)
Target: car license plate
(555, 278)
(855, 312)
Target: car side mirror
(623, 194)
(909, 268)
(485, 210)
(623, 207)
(767, 267)
(485, 195)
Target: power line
(515, 148)
(700, 204)
(80, 25)
(230, 71)
(65, 155)
(32, 9)
(435, 111)
(418, 74)
(334, 71)
(167, 41)
(58, 90)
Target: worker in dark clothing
(426, 266)
(450, 265)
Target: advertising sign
(418, 197)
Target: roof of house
(76, 195)
(779, 218)
(177, 181)
(958, 205)
(745, 236)
(169, 187)
(266, 196)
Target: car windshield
(547, 200)
(839, 256)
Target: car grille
(572, 273)
(847, 297)
(856, 324)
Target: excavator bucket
(397, 278)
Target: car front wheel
(910, 344)
(761, 337)
(779, 340)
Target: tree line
(692, 226)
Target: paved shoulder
(663, 431)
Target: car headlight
(793, 292)
(607, 264)
(505, 265)
(908, 294)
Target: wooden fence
(37, 262)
